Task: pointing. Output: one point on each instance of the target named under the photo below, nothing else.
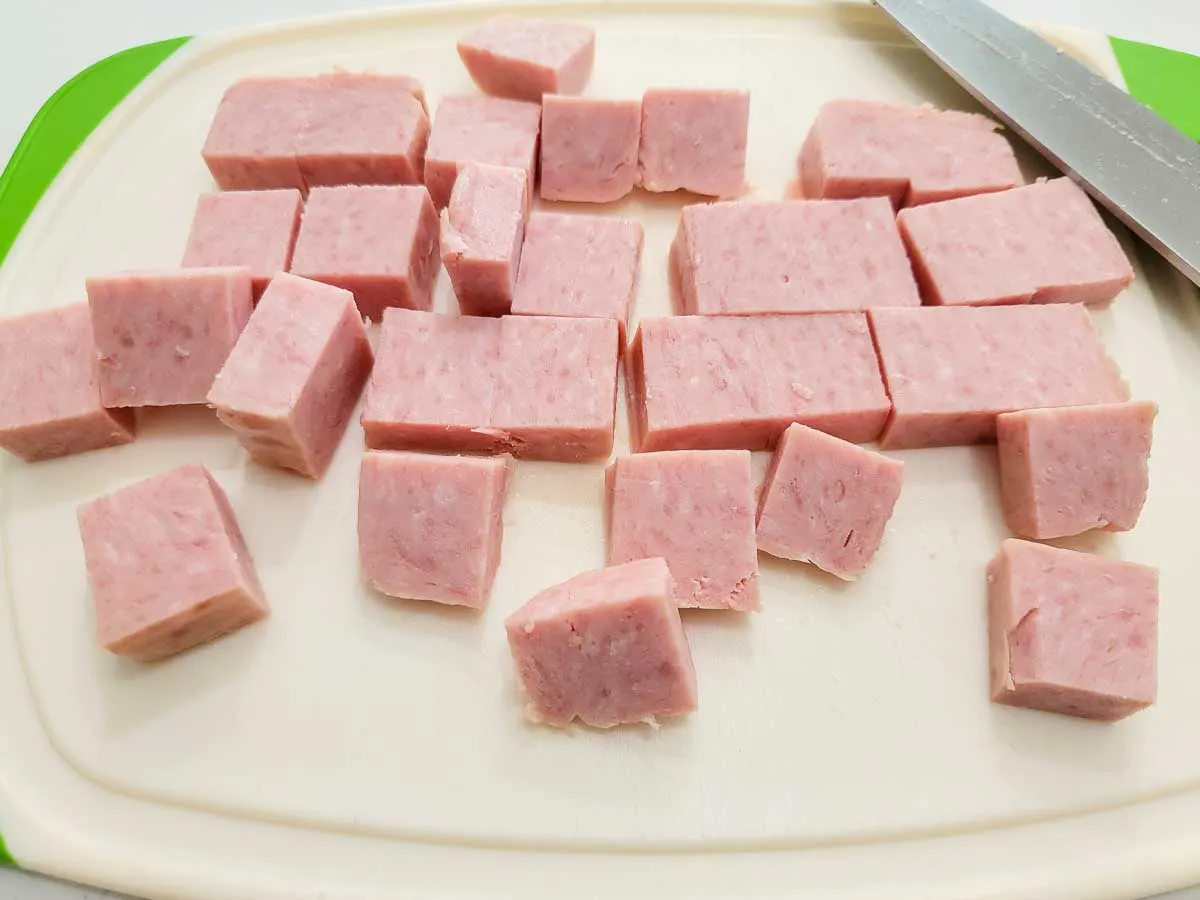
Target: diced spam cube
(826, 501)
(482, 232)
(574, 265)
(49, 396)
(255, 229)
(606, 647)
(589, 148)
(1072, 633)
(1064, 471)
(695, 509)
(524, 58)
(163, 336)
(251, 143)
(292, 381)
(430, 527)
(694, 140)
(488, 130)
(168, 566)
(379, 242)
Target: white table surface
(45, 42)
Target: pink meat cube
(694, 140)
(909, 154)
(49, 396)
(482, 231)
(951, 370)
(589, 148)
(255, 229)
(523, 58)
(826, 501)
(704, 383)
(748, 258)
(1043, 243)
(363, 129)
(487, 130)
(252, 141)
(163, 336)
(1064, 471)
(606, 647)
(433, 381)
(291, 382)
(1072, 633)
(379, 242)
(430, 527)
(556, 393)
(168, 566)
(695, 509)
(573, 265)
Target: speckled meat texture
(524, 58)
(291, 383)
(705, 383)
(488, 130)
(589, 148)
(826, 501)
(909, 154)
(162, 337)
(49, 395)
(378, 242)
(251, 144)
(576, 265)
(1072, 633)
(431, 527)
(694, 140)
(168, 566)
(483, 229)
(1044, 243)
(606, 647)
(1065, 471)
(791, 257)
(951, 370)
(695, 509)
(255, 229)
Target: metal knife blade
(1128, 158)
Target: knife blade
(1132, 161)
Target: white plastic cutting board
(353, 747)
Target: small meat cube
(1064, 471)
(573, 265)
(523, 58)
(826, 501)
(168, 566)
(1072, 633)
(695, 509)
(951, 370)
(255, 229)
(163, 336)
(430, 527)
(694, 140)
(589, 148)
(798, 256)
(49, 396)
(705, 383)
(557, 389)
(1043, 243)
(379, 242)
(291, 382)
(606, 647)
(909, 154)
(252, 142)
(433, 381)
(486, 130)
(482, 231)
(363, 129)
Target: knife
(1133, 162)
